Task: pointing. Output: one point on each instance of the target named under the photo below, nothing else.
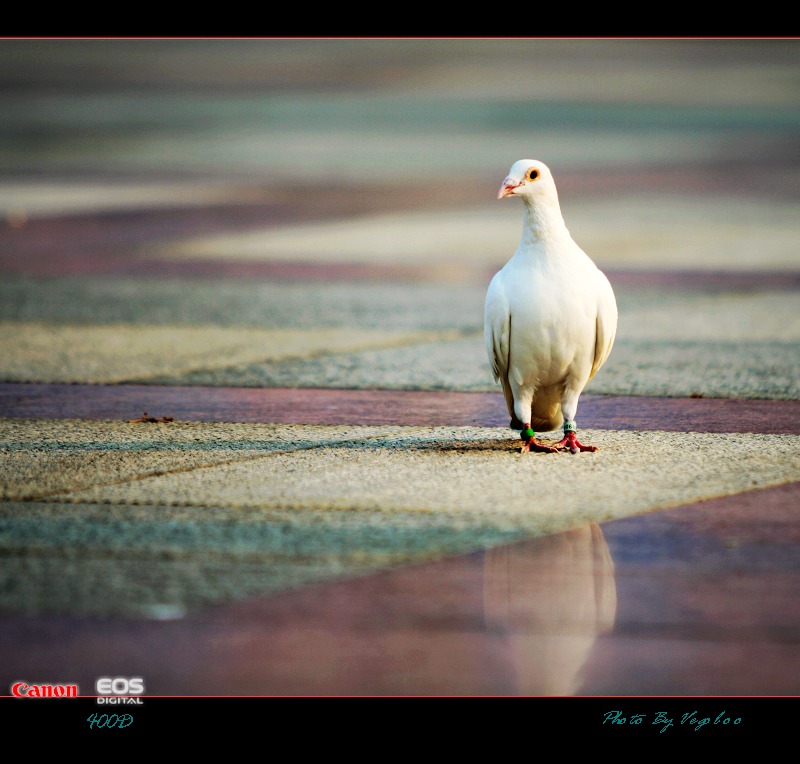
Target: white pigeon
(550, 316)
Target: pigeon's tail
(545, 413)
(546, 417)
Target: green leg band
(527, 433)
(569, 426)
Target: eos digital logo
(119, 689)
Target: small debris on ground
(147, 418)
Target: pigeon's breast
(552, 330)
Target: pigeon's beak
(507, 189)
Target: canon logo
(25, 690)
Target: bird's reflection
(517, 619)
(551, 596)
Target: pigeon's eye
(532, 174)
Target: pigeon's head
(529, 179)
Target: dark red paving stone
(115, 241)
(98, 263)
(287, 271)
(384, 407)
(759, 517)
(88, 261)
(707, 281)
(713, 611)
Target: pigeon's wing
(497, 328)
(497, 336)
(606, 323)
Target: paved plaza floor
(251, 445)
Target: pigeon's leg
(530, 443)
(570, 440)
(523, 402)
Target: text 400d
(110, 720)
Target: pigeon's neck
(542, 223)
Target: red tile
(384, 407)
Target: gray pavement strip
(113, 353)
(98, 300)
(714, 369)
(666, 312)
(744, 343)
(457, 364)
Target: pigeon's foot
(570, 442)
(530, 442)
(536, 445)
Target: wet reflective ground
(698, 600)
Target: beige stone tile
(651, 231)
(473, 472)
